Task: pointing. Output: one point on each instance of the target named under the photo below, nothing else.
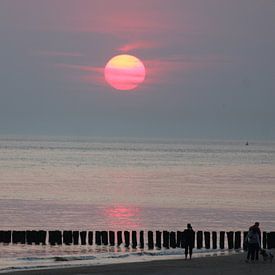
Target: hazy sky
(210, 68)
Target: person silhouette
(253, 244)
(189, 240)
(257, 229)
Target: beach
(212, 265)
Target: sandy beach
(215, 265)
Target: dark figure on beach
(256, 226)
(253, 244)
(189, 240)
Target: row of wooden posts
(166, 239)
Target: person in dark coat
(253, 243)
(257, 229)
(189, 240)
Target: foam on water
(124, 256)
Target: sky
(209, 68)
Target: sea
(66, 183)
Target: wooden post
(166, 238)
(127, 238)
(55, 237)
(207, 239)
(36, 237)
(7, 236)
(141, 239)
(182, 243)
(29, 237)
(222, 235)
(134, 239)
(90, 237)
(214, 240)
(272, 237)
(112, 238)
(199, 239)
(1, 236)
(104, 236)
(98, 238)
(83, 237)
(237, 242)
(119, 238)
(244, 240)
(67, 237)
(230, 239)
(51, 238)
(150, 240)
(23, 237)
(264, 240)
(18, 237)
(14, 237)
(179, 238)
(75, 237)
(158, 239)
(173, 243)
(58, 237)
(42, 235)
(270, 240)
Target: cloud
(89, 74)
(136, 46)
(57, 53)
(80, 68)
(160, 70)
(119, 18)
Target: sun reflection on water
(123, 217)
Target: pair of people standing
(253, 240)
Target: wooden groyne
(134, 239)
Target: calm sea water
(125, 184)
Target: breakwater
(134, 239)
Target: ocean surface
(129, 184)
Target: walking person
(253, 244)
(256, 226)
(189, 240)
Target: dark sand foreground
(222, 265)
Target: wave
(62, 261)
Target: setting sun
(124, 72)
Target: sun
(124, 72)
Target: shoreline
(209, 265)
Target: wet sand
(215, 265)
